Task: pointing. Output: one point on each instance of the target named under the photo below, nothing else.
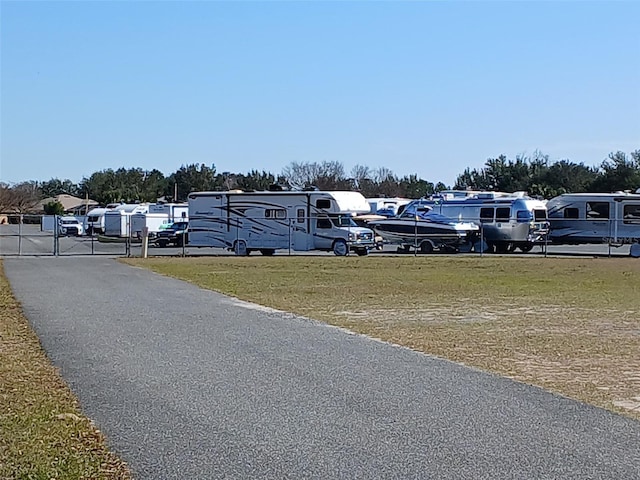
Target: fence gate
(37, 235)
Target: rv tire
(267, 252)
(340, 248)
(240, 248)
(362, 251)
(526, 247)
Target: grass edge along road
(43, 433)
(571, 326)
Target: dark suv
(176, 234)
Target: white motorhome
(267, 221)
(507, 220)
(578, 218)
(117, 222)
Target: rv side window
(503, 214)
(598, 210)
(300, 215)
(571, 212)
(486, 214)
(323, 203)
(275, 213)
(324, 223)
(523, 216)
(631, 214)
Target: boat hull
(409, 232)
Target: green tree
(617, 173)
(413, 187)
(255, 181)
(53, 208)
(191, 178)
(55, 186)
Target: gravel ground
(187, 383)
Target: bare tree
(6, 201)
(26, 196)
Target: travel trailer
(612, 218)
(154, 222)
(507, 220)
(117, 222)
(271, 220)
(175, 212)
(387, 207)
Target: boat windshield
(426, 214)
(343, 221)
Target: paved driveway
(187, 383)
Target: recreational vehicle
(578, 218)
(175, 212)
(94, 223)
(153, 222)
(117, 222)
(268, 221)
(507, 220)
(387, 207)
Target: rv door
(300, 237)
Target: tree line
(535, 175)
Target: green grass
(569, 325)
(43, 434)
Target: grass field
(569, 325)
(43, 434)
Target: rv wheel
(526, 247)
(362, 251)
(340, 248)
(267, 252)
(240, 248)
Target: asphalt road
(187, 383)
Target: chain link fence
(42, 235)
(50, 235)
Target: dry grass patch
(568, 325)
(43, 434)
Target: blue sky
(426, 88)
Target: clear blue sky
(418, 87)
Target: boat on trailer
(424, 230)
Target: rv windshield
(343, 221)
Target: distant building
(72, 205)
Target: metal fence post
(56, 235)
(20, 234)
(415, 233)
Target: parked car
(70, 226)
(175, 234)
